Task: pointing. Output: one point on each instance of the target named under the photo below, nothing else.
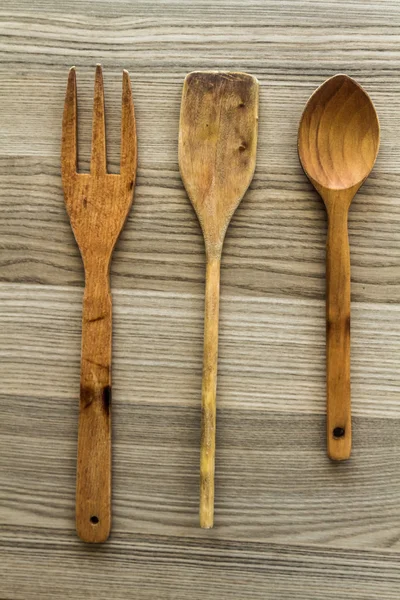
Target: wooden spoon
(217, 155)
(338, 143)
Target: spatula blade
(217, 145)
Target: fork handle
(93, 486)
(338, 333)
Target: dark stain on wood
(90, 395)
(87, 396)
(106, 398)
(344, 324)
(100, 318)
(347, 325)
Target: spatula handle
(93, 491)
(209, 392)
(338, 333)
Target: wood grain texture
(338, 144)
(290, 523)
(217, 155)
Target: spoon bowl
(338, 135)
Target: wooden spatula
(217, 155)
(98, 205)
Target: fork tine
(128, 130)
(69, 155)
(98, 163)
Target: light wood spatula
(98, 204)
(217, 155)
(338, 143)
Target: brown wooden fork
(98, 205)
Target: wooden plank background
(289, 523)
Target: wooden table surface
(288, 522)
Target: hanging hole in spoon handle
(338, 432)
(339, 442)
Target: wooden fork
(97, 204)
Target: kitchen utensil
(217, 154)
(338, 142)
(97, 204)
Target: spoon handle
(338, 332)
(209, 391)
(93, 485)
